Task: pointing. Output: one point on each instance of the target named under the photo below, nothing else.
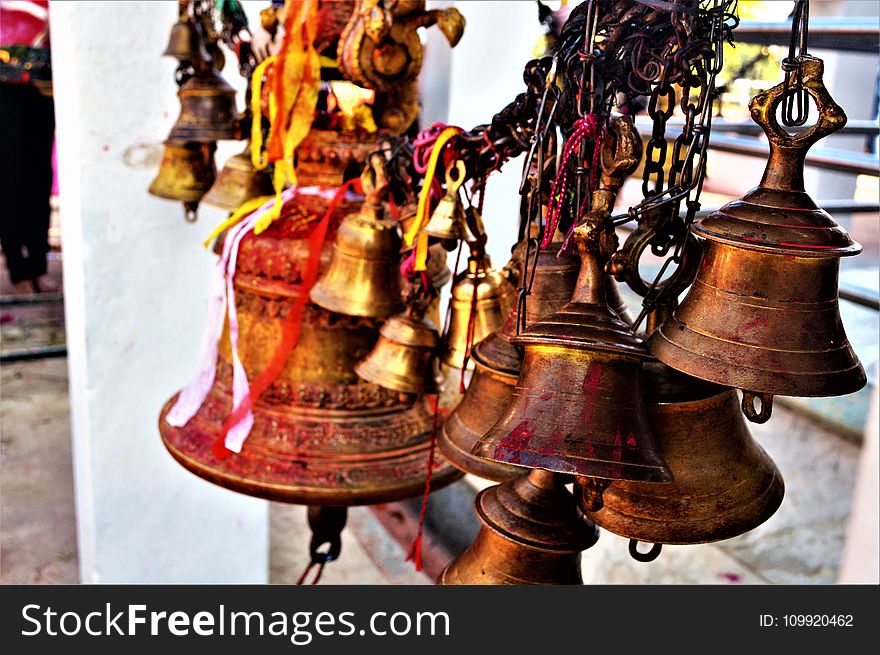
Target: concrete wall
(136, 281)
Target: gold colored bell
(481, 300)
(186, 173)
(577, 407)
(321, 436)
(532, 533)
(762, 314)
(724, 483)
(363, 278)
(403, 358)
(184, 42)
(238, 182)
(207, 110)
(448, 220)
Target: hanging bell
(724, 483)
(238, 182)
(532, 533)
(186, 173)
(497, 365)
(363, 278)
(403, 358)
(207, 110)
(448, 222)
(321, 435)
(481, 300)
(184, 42)
(762, 314)
(577, 407)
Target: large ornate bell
(578, 407)
(497, 365)
(321, 434)
(724, 483)
(762, 314)
(481, 300)
(532, 533)
(207, 109)
(363, 277)
(403, 358)
(238, 182)
(186, 173)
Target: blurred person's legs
(27, 129)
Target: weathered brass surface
(724, 483)
(532, 533)
(321, 434)
(577, 407)
(363, 277)
(403, 358)
(184, 43)
(481, 296)
(238, 182)
(497, 366)
(762, 314)
(207, 110)
(186, 173)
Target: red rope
(302, 578)
(292, 323)
(415, 550)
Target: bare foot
(43, 284)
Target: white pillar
(135, 284)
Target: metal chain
(792, 65)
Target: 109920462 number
(817, 620)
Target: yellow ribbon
(424, 205)
(247, 207)
(259, 161)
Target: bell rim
(466, 462)
(732, 374)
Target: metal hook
(752, 413)
(649, 556)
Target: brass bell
(577, 407)
(363, 278)
(497, 365)
(321, 436)
(725, 484)
(207, 110)
(186, 173)
(762, 314)
(448, 220)
(238, 182)
(184, 42)
(403, 358)
(532, 533)
(481, 300)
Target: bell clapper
(592, 490)
(326, 524)
(757, 406)
(191, 212)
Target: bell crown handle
(785, 167)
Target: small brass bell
(762, 314)
(725, 484)
(532, 533)
(184, 42)
(448, 220)
(207, 110)
(363, 278)
(186, 173)
(403, 357)
(577, 407)
(238, 182)
(481, 300)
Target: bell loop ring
(760, 413)
(648, 556)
